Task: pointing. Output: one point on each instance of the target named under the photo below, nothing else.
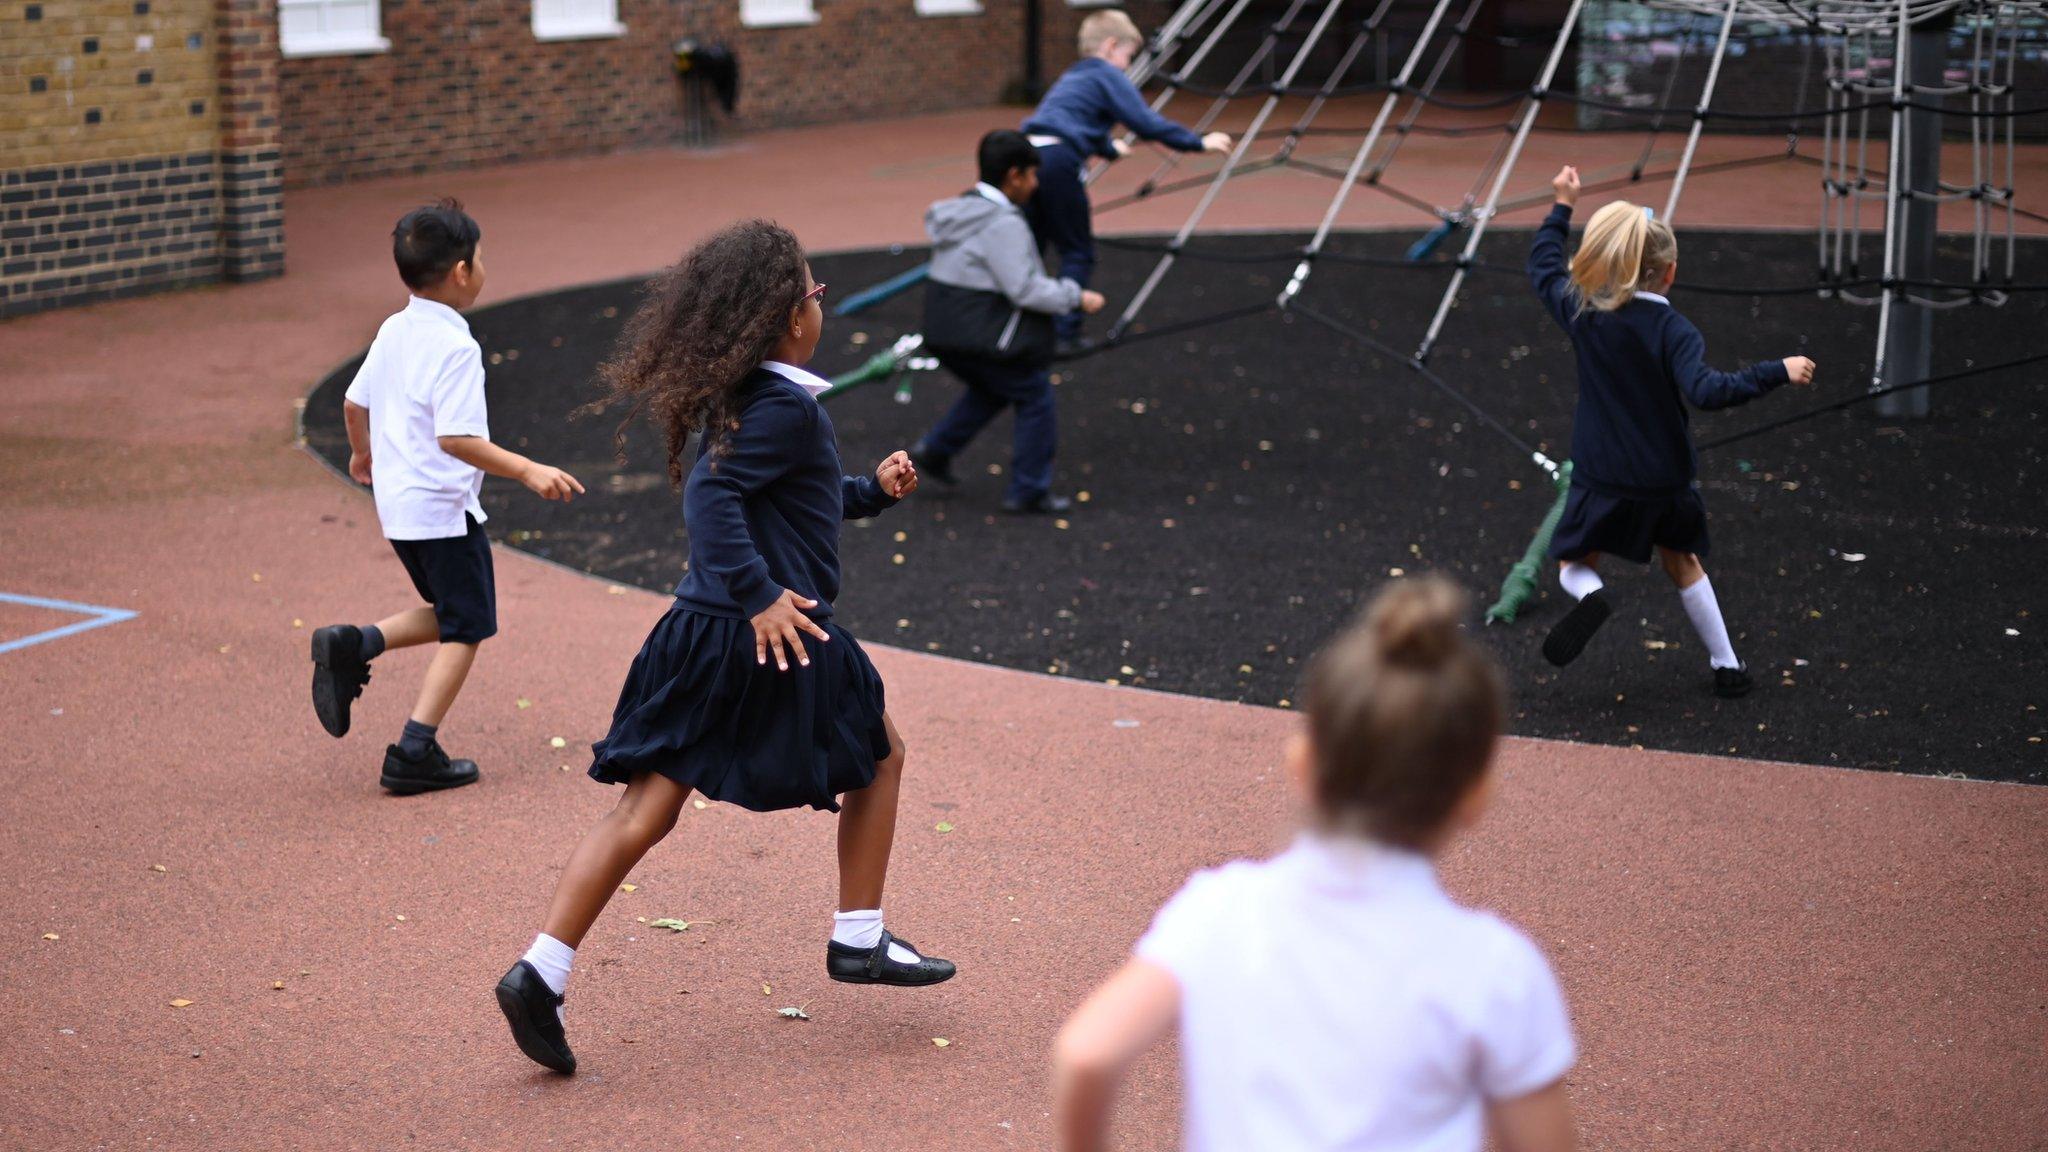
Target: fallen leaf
(158, 868)
(50, 936)
(224, 649)
(700, 803)
(629, 887)
(941, 1042)
(298, 623)
(675, 925)
(793, 1013)
(277, 985)
(256, 576)
(523, 703)
(1853, 557)
(902, 536)
(181, 1003)
(943, 826)
(1397, 571)
(896, 559)
(557, 742)
(401, 915)
(616, 590)
(765, 990)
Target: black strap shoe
(1568, 638)
(1043, 504)
(932, 466)
(850, 965)
(536, 1018)
(339, 673)
(430, 773)
(1732, 683)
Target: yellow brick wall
(172, 41)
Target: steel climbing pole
(1893, 166)
(1455, 41)
(1531, 108)
(1372, 136)
(1699, 112)
(1222, 177)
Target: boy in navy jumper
(989, 309)
(1633, 464)
(418, 435)
(1073, 122)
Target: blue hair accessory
(1649, 213)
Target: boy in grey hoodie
(989, 309)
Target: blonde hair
(1623, 252)
(1106, 25)
(1403, 712)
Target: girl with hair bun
(1335, 996)
(1633, 465)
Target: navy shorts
(454, 574)
(1629, 527)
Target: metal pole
(1530, 110)
(1699, 113)
(1909, 338)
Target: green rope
(1520, 585)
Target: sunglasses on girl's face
(817, 293)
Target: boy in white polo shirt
(1335, 997)
(418, 435)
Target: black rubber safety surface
(1246, 485)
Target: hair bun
(1415, 622)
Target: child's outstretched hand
(359, 468)
(1566, 184)
(1800, 369)
(1216, 142)
(1121, 147)
(897, 475)
(1092, 301)
(550, 483)
(780, 627)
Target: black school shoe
(1732, 683)
(339, 673)
(850, 965)
(931, 465)
(535, 1015)
(1568, 638)
(1043, 504)
(430, 773)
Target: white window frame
(777, 13)
(560, 20)
(354, 43)
(948, 7)
(1093, 3)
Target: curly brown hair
(705, 324)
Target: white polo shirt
(423, 379)
(1334, 997)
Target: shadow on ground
(1248, 484)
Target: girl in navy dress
(746, 691)
(1633, 464)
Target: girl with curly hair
(746, 691)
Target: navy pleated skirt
(698, 709)
(1629, 527)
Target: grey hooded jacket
(981, 245)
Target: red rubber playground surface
(216, 932)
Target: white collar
(1349, 863)
(989, 191)
(811, 382)
(1653, 298)
(437, 310)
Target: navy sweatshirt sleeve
(1132, 112)
(715, 497)
(1548, 272)
(1685, 357)
(862, 497)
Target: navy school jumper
(1638, 365)
(764, 515)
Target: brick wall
(465, 81)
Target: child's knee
(892, 764)
(1682, 567)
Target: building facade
(147, 144)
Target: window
(576, 19)
(329, 27)
(949, 7)
(777, 13)
(1093, 3)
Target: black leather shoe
(429, 773)
(535, 1015)
(1568, 638)
(1732, 683)
(339, 673)
(1043, 504)
(850, 965)
(932, 466)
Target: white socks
(863, 929)
(1579, 579)
(1705, 613)
(551, 958)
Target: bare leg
(867, 831)
(1590, 560)
(409, 629)
(445, 674)
(1683, 567)
(645, 814)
